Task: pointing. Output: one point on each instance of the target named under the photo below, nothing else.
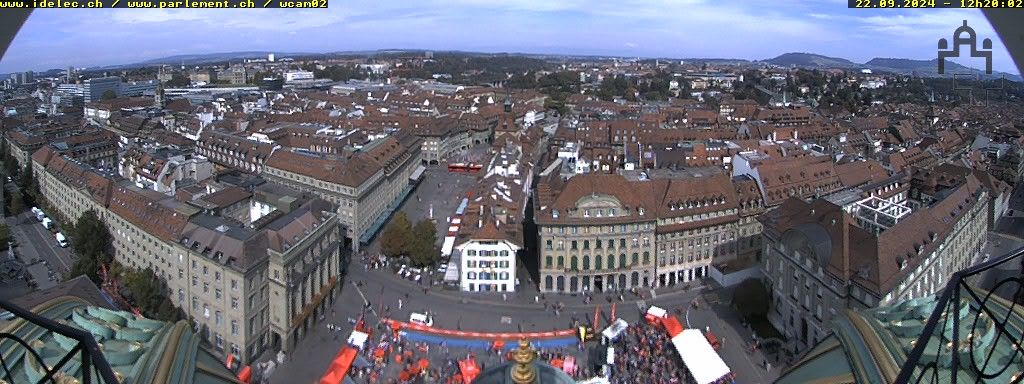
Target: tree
(91, 239)
(423, 245)
(146, 291)
(178, 80)
(751, 299)
(10, 164)
(109, 94)
(29, 188)
(17, 204)
(5, 236)
(394, 241)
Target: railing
(93, 367)
(972, 335)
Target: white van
(35, 211)
(61, 240)
(47, 223)
(40, 215)
(421, 319)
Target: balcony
(25, 358)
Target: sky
(747, 29)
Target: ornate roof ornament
(524, 371)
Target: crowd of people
(644, 354)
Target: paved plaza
(521, 312)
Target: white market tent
(700, 358)
(613, 331)
(448, 246)
(358, 339)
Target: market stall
(700, 358)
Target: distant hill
(924, 68)
(811, 60)
(929, 68)
(215, 57)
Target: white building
(488, 261)
(297, 75)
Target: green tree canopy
(91, 239)
(394, 241)
(17, 204)
(29, 188)
(423, 247)
(146, 291)
(178, 80)
(5, 236)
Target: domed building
(138, 350)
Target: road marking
(360, 292)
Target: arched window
(574, 264)
(597, 262)
(547, 262)
(561, 261)
(548, 282)
(636, 258)
(586, 262)
(647, 257)
(622, 260)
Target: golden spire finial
(524, 371)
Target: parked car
(47, 223)
(61, 240)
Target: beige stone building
(248, 286)
(365, 186)
(697, 224)
(596, 233)
(642, 233)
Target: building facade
(596, 233)
(365, 186)
(821, 260)
(248, 286)
(488, 262)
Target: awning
(340, 366)
(417, 173)
(672, 326)
(699, 357)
